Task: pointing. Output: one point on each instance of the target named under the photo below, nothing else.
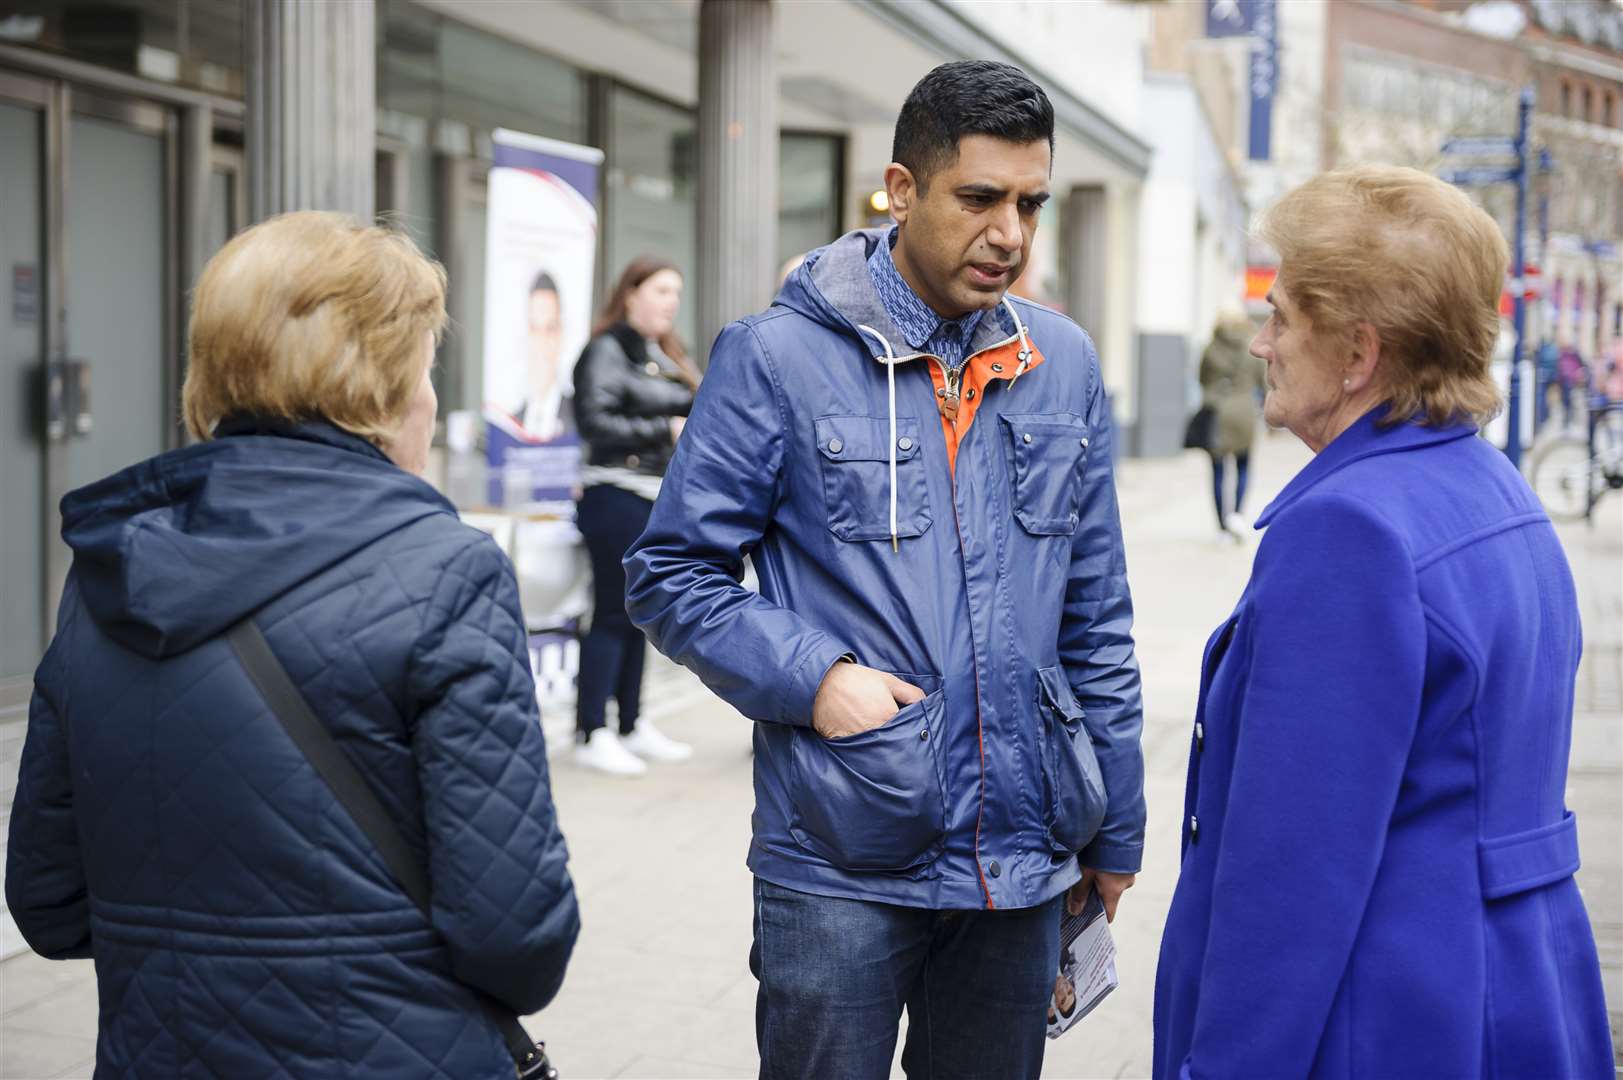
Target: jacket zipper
(950, 378)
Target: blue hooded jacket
(999, 589)
(167, 826)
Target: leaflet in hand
(1087, 966)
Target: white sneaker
(1237, 523)
(647, 741)
(602, 751)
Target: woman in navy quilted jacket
(166, 825)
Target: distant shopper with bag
(634, 386)
(1232, 383)
(169, 820)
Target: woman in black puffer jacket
(634, 386)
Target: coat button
(997, 367)
(835, 446)
(904, 443)
(925, 734)
(994, 868)
(1026, 437)
(1200, 736)
(969, 395)
(633, 460)
(1194, 828)
(652, 367)
(1084, 444)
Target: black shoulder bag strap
(313, 739)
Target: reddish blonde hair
(1413, 257)
(312, 316)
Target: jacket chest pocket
(1045, 454)
(854, 454)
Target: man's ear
(903, 190)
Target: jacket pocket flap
(866, 438)
(1526, 860)
(1057, 694)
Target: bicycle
(1571, 472)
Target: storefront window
(651, 197)
(443, 87)
(193, 43)
(809, 191)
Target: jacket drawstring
(890, 386)
(1025, 342)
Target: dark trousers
(1242, 462)
(836, 974)
(612, 653)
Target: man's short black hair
(543, 283)
(968, 97)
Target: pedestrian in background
(634, 386)
(165, 822)
(919, 468)
(1572, 375)
(1232, 383)
(1377, 859)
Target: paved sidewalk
(659, 986)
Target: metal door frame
(186, 121)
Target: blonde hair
(312, 316)
(1414, 258)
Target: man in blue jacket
(940, 659)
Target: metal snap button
(1084, 444)
(970, 394)
(997, 367)
(1026, 437)
(633, 460)
(835, 446)
(1194, 827)
(904, 443)
(925, 734)
(1200, 736)
(994, 868)
(652, 367)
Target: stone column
(311, 96)
(738, 163)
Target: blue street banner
(1229, 18)
(1257, 20)
(1264, 78)
(540, 249)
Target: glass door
(89, 326)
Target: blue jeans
(835, 975)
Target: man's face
(966, 236)
(546, 327)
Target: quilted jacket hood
(170, 552)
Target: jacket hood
(170, 552)
(833, 287)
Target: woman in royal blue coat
(1377, 862)
(166, 824)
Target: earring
(1346, 383)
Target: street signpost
(1493, 146)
